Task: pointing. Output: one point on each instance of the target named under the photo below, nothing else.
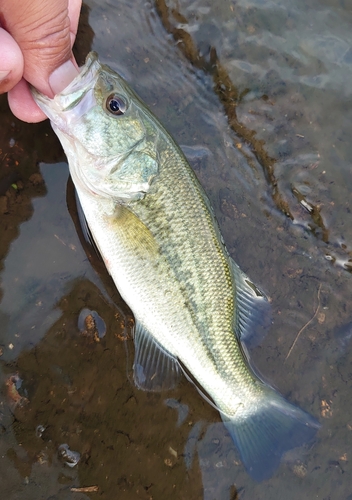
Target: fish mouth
(71, 98)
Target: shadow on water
(230, 97)
(262, 112)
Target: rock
(36, 179)
(4, 205)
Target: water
(258, 94)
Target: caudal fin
(263, 437)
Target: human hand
(36, 38)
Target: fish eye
(116, 105)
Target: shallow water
(258, 94)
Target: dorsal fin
(252, 308)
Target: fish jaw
(73, 93)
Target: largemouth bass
(159, 239)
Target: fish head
(109, 136)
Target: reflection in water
(67, 456)
(91, 324)
(286, 73)
(78, 393)
(182, 410)
(82, 407)
(254, 94)
(227, 93)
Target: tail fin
(263, 437)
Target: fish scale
(204, 255)
(189, 256)
(159, 239)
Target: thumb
(11, 62)
(42, 30)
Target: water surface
(258, 95)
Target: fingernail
(4, 74)
(61, 77)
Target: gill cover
(113, 154)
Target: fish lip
(65, 99)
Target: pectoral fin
(86, 232)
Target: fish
(160, 241)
